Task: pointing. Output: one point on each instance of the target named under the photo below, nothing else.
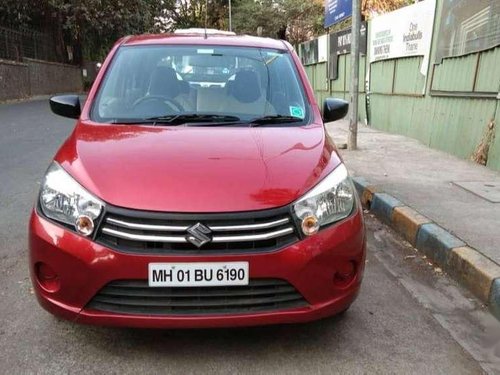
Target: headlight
(65, 200)
(329, 201)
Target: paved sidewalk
(427, 180)
(447, 208)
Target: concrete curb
(468, 266)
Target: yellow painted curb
(473, 270)
(407, 221)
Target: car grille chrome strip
(181, 228)
(180, 239)
(271, 224)
(147, 232)
(131, 225)
(144, 237)
(253, 237)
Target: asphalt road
(408, 319)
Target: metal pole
(352, 141)
(230, 18)
(206, 18)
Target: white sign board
(404, 32)
(323, 48)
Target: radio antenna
(206, 17)
(230, 17)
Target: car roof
(199, 39)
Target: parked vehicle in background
(198, 189)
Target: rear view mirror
(66, 105)
(334, 109)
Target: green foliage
(97, 24)
(183, 14)
(304, 19)
(21, 13)
(90, 27)
(249, 15)
(373, 7)
(294, 20)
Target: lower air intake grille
(135, 297)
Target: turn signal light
(84, 225)
(310, 225)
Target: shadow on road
(226, 341)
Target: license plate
(198, 274)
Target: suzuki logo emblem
(199, 234)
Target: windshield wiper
(273, 119)
(194, 118)
(212, 119)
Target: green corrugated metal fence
(339, 88)
(449, 111)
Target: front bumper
(83, 267)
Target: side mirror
(334, 109)
(66, 105)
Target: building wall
(14, 80)
(49, 77)
(36, 77)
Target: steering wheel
(158, 98)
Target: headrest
(246, 86)
(164, 82)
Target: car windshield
(196, 83)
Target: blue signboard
(336, 11)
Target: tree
(250, 15)
(94, 25)
(184, 14)
(17, 13)
(90, 27)
(304, 19)
(293, 20)
(373, 7)
(298, 20)
(370, 8)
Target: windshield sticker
(205, 51)
(296, 111)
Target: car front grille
(135, 297)
(142, 232)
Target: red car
(198, 189)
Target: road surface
(409, 318)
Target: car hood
(197, 169)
